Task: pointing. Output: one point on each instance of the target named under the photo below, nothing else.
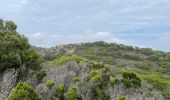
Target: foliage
(59, 91)
(49, 84)
(122, 98)
(121, 65)
(131, 56)
(144, 66)
(157, 82)
(96, 78)
(97, 93)
(66, 58)
(146, 51)
(72, 94)
(130, 79)
(149, 94)
(23, 91)
(166, 95)
(40, 75)
(75, 79)
(10, 26)
(15, 50)
(113, 81)
(97, 65)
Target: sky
(46, 23)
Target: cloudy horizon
(143, 23)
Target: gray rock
(8, 81)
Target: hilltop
(151, 67)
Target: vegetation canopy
(15, 50)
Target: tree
(15, 50)
(1, 24)
(10, 26)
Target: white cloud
(101, 19)
(48, 40)
(23, 2)
(162, 43)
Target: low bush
(113, 81)
(59, 88)
(130, 79)
(59, 91)
(97, 93)
(49, 84)
(23, 91)
(66, 58)
(144, 66)
(149, 94)
(75, 79)
(122, 98)
(97, 65)
(72, 94)
(40, 75)
(96, 78)
(156, 81)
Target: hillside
(112, 61)
(86, 71)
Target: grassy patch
(66, 58)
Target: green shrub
(97, 93)
(113, 81)
(96, 78)
(149, 94)
(131, 56)
(59, 91)
(49, 84)
(23, 91)
(15, 50)
(109, 60)
(75, 79)
(156, 81)
(72, 94)
(144, 66)
(127, 83)
(122, 98)
(40, 75)
(66, 58)
(166, 95)
(97, 65)
(130, 79)
(121, 65)
(146, 51)
(59, 88)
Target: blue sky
(144, 23)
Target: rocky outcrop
(9, 79)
